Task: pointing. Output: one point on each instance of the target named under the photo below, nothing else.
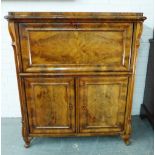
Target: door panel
(51, 105)
(69, 47)
(102, 103)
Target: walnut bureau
(75, 71)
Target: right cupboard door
(102, 102)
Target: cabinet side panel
(13, 30)
(138, 27)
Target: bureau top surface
(77, 15)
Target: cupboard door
(102, 103)
(51, 105)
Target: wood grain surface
(76, 47)
(102, 103)
(51, 104)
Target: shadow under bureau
(75, 72)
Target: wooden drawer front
(102, 104)
(51, 105)
(66, 47)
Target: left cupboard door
(51, 105)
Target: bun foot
(127, 142)
(27, 141)
(26, 145)
(126, 139)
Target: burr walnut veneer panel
(75, 72)
(57, 46)
(102, 103)
(51, 105)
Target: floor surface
(142, 142)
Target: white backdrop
(10, 98)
